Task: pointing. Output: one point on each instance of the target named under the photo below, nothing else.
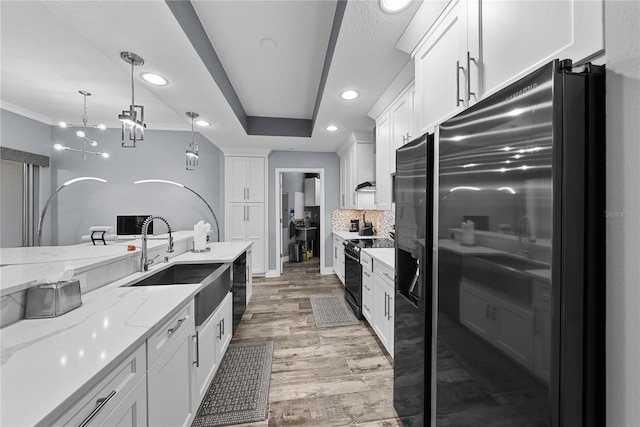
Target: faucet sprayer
(145, 261)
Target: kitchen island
(48, 365)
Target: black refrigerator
(511, 288)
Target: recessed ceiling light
(349, 95)
(394, 6)
(202, 123)
(332, 128)
(154, 79)
(268, 43)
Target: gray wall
(622, 35)
(24, 134)
(159, 156)
(292, 159)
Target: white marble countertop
(47, 364)
(348, 235)
(24, 267)
(460, 249)
(386, 256)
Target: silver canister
(52, 299)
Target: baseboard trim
(285, 258)
(326, 270)
(271, 273)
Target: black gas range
(353, 269)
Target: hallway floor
(320, 377)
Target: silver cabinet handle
(248, 214)
(222, 326)
(171, 331)
(385, 305)
(100, 402)
(387, 276)
(366, 274)
(458, 68)
(220, 330)
(196, 340)
(469, 59)
(389, 310)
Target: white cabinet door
(132, 410)
(236, 220)
(383, 306)
(367, 295)
(224, 328)
(542, 344)
(338, 257)
(351, 178)
(256, 234)
(476, 311)
(207, 363)
(400, 124)
(343, 186)
(249, 275)
(439, 63)
(236, 176)
(518, 36)
(171, 382)
(384, 162)
(513, 331)
(255, 179)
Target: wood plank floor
(320, 377)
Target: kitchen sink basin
(187, 274)
(503, 273)
(215, 276)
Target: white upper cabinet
(516, 37)
(440, 61)
(247, 179)
(383, 162)
(356, 167)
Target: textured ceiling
(52, 49)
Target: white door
(237, 220)
(255, 179)
(476, 311)
(513, 331)
(440, 62)
(172, 371)
(518, 36)
(236, 173)
(255, 233)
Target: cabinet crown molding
(355, 138)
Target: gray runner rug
(332, 311)
(239, 393)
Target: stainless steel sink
(215, 276)
(504, 273)
(177, 274)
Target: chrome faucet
(145, 262)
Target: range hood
(366, 186)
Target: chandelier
(191, 152)
(132, 119)
(82, 133)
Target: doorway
(300, 223)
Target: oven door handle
(347, 254)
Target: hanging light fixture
(192, 150)
(133, 118)
(82, 133)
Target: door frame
(278, 214)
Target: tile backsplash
(382, 221)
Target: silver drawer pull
(196, 341)
(100, 402)
(387, 276)
(171, 331)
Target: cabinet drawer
(165, 334)
(99, 402)
(366, 261)
(385, 272)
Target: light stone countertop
(47, 364)
(348, 235)
(386, 256)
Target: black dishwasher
(239, 289)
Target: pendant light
(133, 125)
(191, 152)
(82, 133)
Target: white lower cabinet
(249, 274)
(338, 257)
(211, 342)
(171, 379)
(502, 322)
(367, 286)
(383, 304)
(119, 399)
